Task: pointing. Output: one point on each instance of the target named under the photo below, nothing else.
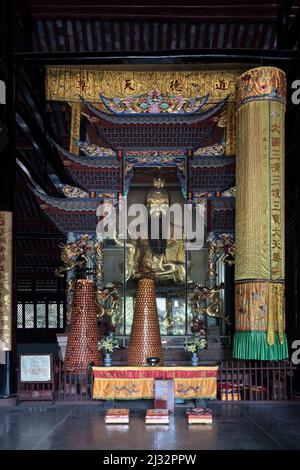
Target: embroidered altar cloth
(138, 382)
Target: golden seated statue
(163, 260)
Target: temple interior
(149, 232)
(105, 160)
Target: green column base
(253, 345)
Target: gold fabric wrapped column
(259, 267)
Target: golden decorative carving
(72, 191)
(221, 245)
(205, 300)
(99, 266)
(70, 294)
(211, 261)
(69, 252)
(72, 256)
(209, 296)
(108, 301)
(225, 245)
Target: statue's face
(157, 202)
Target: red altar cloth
(138, 382)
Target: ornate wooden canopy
(225, 31)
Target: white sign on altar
(35, 368)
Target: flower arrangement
(108, 344)
(195, 343)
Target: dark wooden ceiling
(135, 26)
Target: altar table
(125, 383)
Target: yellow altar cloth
(125, 383)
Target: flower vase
(194, 359)
(107, 360)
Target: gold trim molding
(69, 83)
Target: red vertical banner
(5, 281)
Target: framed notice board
(36, 378)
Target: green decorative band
(253, 345)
